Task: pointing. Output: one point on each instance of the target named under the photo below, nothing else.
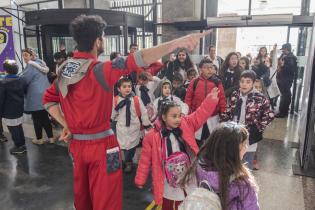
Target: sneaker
(18, 150)
(52, 140)
(255, 165)
(3, 138)
(128, 168)
(38, 141)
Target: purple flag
(6, 40)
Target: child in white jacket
(166, 95)
(129, 113)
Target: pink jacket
(151, 154)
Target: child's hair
(28, 50)
(164, 109)
(221, 153)
(10, 66)
(245, 58)
(249, 74)
(143, 76)
(123, 80)
(204, 61)
(215, 68)
(178, 78)
(191, 72)
(113, 55)
(263, 87)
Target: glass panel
(261, 7)
(63, 42)
(237, 7)
(49, 5)
(312, 7)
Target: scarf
(177, 132)
(125, 102)
(145, 95)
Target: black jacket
(11, 97)
(289, 70)
(230, 81)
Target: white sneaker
(52, 140)
(38, 141)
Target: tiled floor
(42, 179)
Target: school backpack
(202, 198)
(135, 101)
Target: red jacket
(87, 107)
(151, 154)
(204, 86)
(154, 68)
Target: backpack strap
(98, 71)
(116, 100)
(137, 105)
(195, 84)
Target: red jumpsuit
(87, 109)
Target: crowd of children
(194, 125)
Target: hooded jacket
(151, 154)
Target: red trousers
(95, 188)
(170, 204)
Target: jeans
(40, 121)
(17, 134)
(129, 154)
(248, 159)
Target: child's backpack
(136, 102)
(202, 198)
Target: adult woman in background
(230, 74)
(181, 64)
(36, 83)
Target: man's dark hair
(133, 45)
(211, 46)
(59, 55)
(86, 29)
(123, 80)
(204, 61)
(178, 77)
(249, 74)
(10, 67)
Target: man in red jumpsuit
(81, 98)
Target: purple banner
(6, 40)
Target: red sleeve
(222, 99)
(189, 94)
(120, 66)
(154, 68)
(145, 159)
(51, 96)
(200, 116)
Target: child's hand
(214, 93)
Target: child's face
(257, 86)
(125, 89)
(142, 82)
(233, 61)
(27, 57)
(176, 84)
(242, 64)
(172, 118)
(207, 70)
(268, 63)
(166, 90)
(191, 77)
(246, 85)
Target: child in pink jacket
(168, 149)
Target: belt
(93, 136)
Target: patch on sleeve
(119, 63)
(70, 68)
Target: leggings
(40, 121)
